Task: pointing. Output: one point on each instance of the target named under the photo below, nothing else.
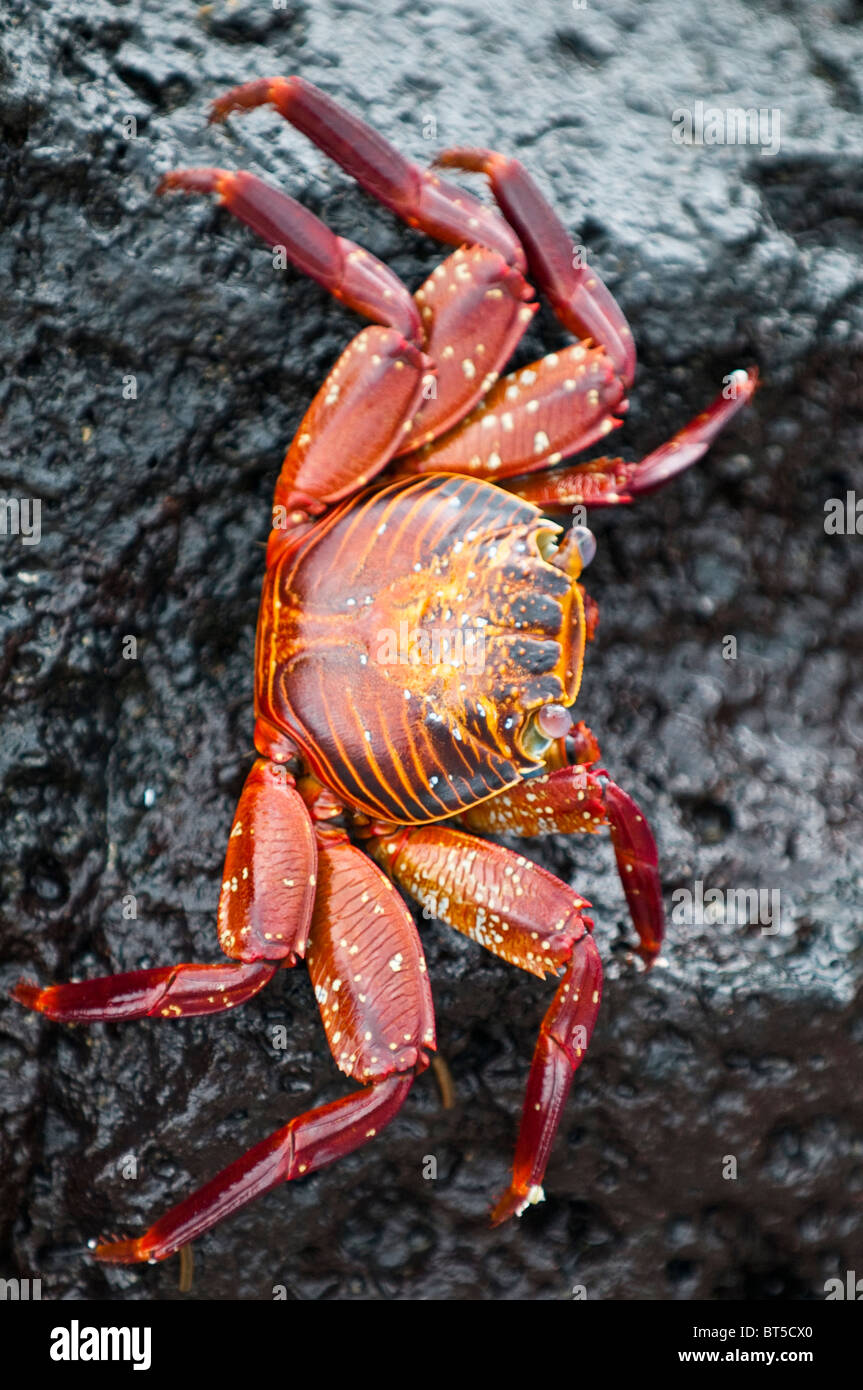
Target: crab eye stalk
(585, 542)
(547, 725)
(553, 721)
(575, 551)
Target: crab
(419, 652)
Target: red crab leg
(442, 210)
(268, 883)
(172, 991)
(508, 904)
(346, 270)
(575, 800)
(529, 918)
(265, 908)
(352, 427)
(474, 311)
(531, 418)
(638, 866)
(472, 308)
(563, 1038)
(367, 967)
(579, 298)
(469, 315)
(362, 412)
(419, 196)
(605, 482)
(308, 1142)
(368, 972)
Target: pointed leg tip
(747, 378)
(223, 106)
(26, 993)
(195, 181)
(125, 1251)
(472, 159)
(503, 1210)
(246, 97)
(649, 953)
(174, 180)
(514, 1202)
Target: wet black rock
(153, 369)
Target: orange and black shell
(402, 725)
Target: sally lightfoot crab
(412, 500)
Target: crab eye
(554, 721)
(585, 541)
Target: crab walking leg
(418, 196)
(604, 482)
(368, 971)
(577, 800)
(384, 395)
(424, 200)
(528, 917)
(352, 427)
(367, 967)
(469, 315)
(347, 271)
(449, 213)
(521, 912)
(530, 419)
(265, 910)
(568, 801)
(563, 1038)
(306, 1143)
(359, 416)
(172, 991)
(474, 309)
(579, 298)
(638, 866)
(270, 874)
